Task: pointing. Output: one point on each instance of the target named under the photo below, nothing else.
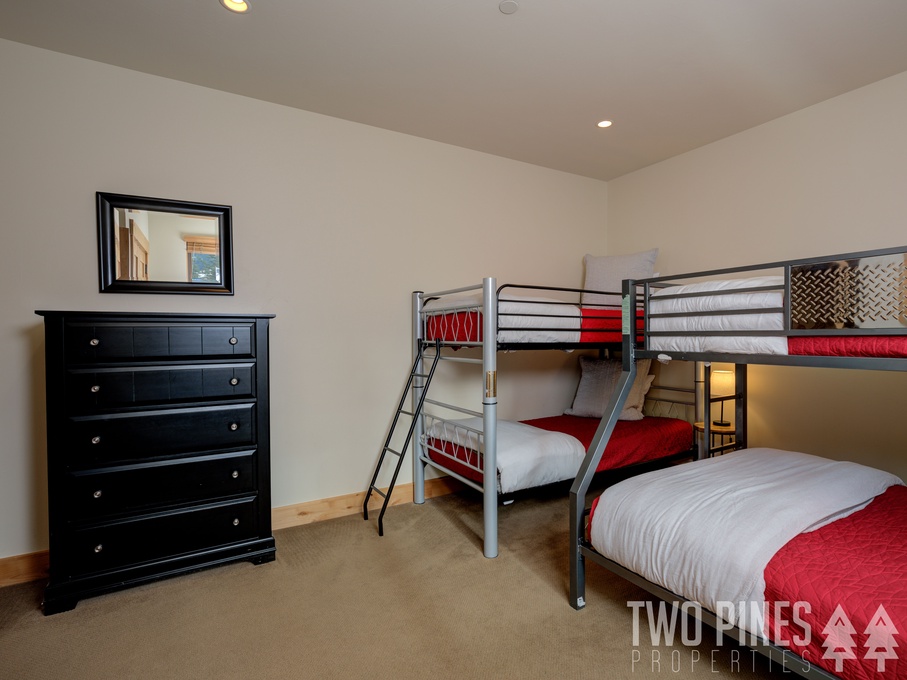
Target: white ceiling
(672, 74)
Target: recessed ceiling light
(605, 123)
(238, 6)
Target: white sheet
(527, 456)
(521, 314)
(695, 322)
(707, 530)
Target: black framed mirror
(155, 245)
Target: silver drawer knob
(236, 522)
(96, 494)
(234, 381)
(233, 341)
(94, 342)
(234, 426)
(235, 474)
(99, 547)
(95, 388)
(95, 440)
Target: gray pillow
(597, 382)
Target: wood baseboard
(34, 566)
(351, 504)
(23, 568)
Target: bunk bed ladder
(415, 375)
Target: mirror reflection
(163, 246)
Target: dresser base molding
(61, 597)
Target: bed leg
(577, 561)
(490, 416)
(577, 581)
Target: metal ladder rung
(390, 450)
(379, 492)
(407, 413)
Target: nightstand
(721, 433)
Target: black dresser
(157, 447)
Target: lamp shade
(722, 383)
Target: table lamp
(722, 385)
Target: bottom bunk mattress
(804, 552)
(542, 451)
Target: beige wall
(831, 178)
(333, 222)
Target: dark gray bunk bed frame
(857, 293)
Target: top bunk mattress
(852, 307)
(522, 320)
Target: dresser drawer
(158, 537)
(107, 491)
(90, 391)
(122, 437)
(86, 342)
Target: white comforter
(527, 319)
(707, 530)
(527, 456)
(694, 321)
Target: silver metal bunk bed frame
(823, 296)
(489, 364)
(426, 351)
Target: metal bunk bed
(853, 305)
(492, 319)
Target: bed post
(740, 406)
(597, 447)
(490, 414)
(418, 465)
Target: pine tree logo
(881, 644)
(839, 643)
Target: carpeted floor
(342, 602)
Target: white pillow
(597, 382)
(607, 272)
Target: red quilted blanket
(838, 595)
(849, 346)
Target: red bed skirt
(858, 563)
(632, 442)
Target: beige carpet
(342, 602)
